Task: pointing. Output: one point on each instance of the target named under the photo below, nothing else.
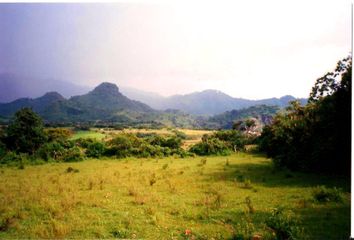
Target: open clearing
(162, 198)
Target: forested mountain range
(207, 102)
(106, 104)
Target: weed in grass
(247, 184)
(150, 211)
(140, 199)
(72, 170)
(60, 230)
(174, 212)
(165, 166)
(171, 187)
(7, 222)
(91, 185)
(249, 205)
(21, 166)
(203, 162)
(120, 233)
(240, 178)
(101, 184)
(152, 179)
(132, 191)
(322, 194)
(303, 203)
(244, 229)
(227, 162)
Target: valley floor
(169, 198)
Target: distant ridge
(102, 103)
(207, 102)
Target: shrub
(52, 150)
(235, 140)
(210, 146)
(10, 157)
(95, 149)
(2, 150)
(57, 134)
(323, 194)
(284, 224)
(73, 155)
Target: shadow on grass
(330, 221)
(265, 174)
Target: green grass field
(162, 198)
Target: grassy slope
(114, 198)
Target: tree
(315, 137)
(332, 81)
(25, 134)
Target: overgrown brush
(284, 224)
(322, 194)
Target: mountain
(37, 104)
(13, 86)
(263, 113)
(106, 105)
(105, 102)
(208, 102)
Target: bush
(57, 134)
(210, 146)
(235, 140)
(95, 149)
(52, 150)
(10, 157)
(2, 150)
(284, 224)
(73, 155)
(323, 194)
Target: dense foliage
(315, 137)
(25, 134)
(220, 143)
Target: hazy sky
(246, 50)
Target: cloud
(246, 50)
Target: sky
(249, 50)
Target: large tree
(316, 137)
(25, 134)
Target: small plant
(140, 199)
(203, 161)
(132, 191)
(120, 233)
(91, 184)
(165, 166)
(72, 170)
(152, 180)
(240, 178)
(243, 230)
(249, 205)
(322, 194)
(227, 163)
(247, 184)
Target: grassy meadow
(167, 198)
